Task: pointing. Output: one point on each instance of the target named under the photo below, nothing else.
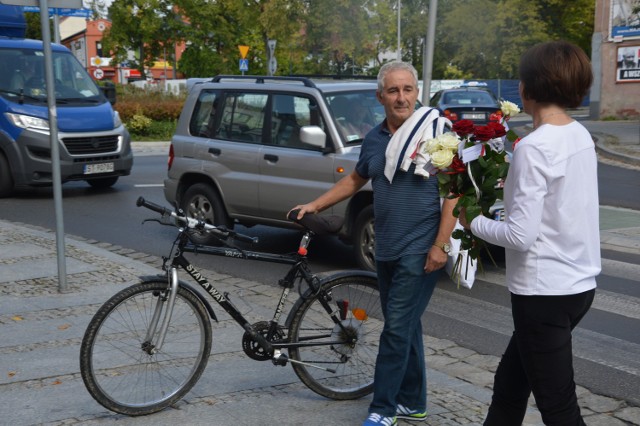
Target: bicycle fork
(165, 304)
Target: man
(411, 234)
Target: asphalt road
(606, 344)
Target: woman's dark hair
(556, 72)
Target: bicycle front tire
(340, 356)
(124, 377)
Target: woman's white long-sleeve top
(551, 229)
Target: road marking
(148, 185)
(615, 303)
(602, 349)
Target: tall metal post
(399, 48)
(55, 149)
(427, 69)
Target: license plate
(90, 169)
(473, 116)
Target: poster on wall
(625, 19)
(628, 65)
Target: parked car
(247, 149)
(468, 103)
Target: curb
(611, 154)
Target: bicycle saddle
(319, 225)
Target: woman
(551, 239)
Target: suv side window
(242, 117)
(288, 114)
(203, 119)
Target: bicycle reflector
(360, 314)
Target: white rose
(509, 109)
(430, 146)
(449, 141)
(442, 158)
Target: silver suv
(247, 149)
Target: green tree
(214, 30)
(142, 26)
(341, 36)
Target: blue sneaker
(375, 419)
(406, 413)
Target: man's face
(398, 97)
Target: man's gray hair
(394, 66)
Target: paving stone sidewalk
(42, 330)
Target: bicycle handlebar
(192, 223)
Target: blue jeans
(401, 376)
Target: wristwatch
(445, 247)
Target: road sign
(98, 73)
(273, 66)
(78, 13)
(72, 4)
(244, 65)
(243, 51)
(272, 46)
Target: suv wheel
(6, 181)
(365, 240)
(203, 203)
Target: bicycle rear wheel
(344, 346)
(120, 371)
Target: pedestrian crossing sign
(244, 65)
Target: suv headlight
(27, 121)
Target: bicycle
(149, 344)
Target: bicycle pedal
(282, 360)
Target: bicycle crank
(252, 348)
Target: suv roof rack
(261, 79)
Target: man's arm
(343, 189)
(437, 258)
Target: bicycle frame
(299, 269)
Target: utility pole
(399, 48)
(427, 68)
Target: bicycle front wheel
(120, 366)
(336, 334)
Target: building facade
(616, 60)
(84, 38)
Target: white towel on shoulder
(407, 139)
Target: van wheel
(102, 183)
(364, 239)
(6, 180)
(203, 203)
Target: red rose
(457, 166)
(463, 127)
(498, 129)
(484, 133)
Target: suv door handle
(215, 151)
(271, 158)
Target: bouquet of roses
(471, 165)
